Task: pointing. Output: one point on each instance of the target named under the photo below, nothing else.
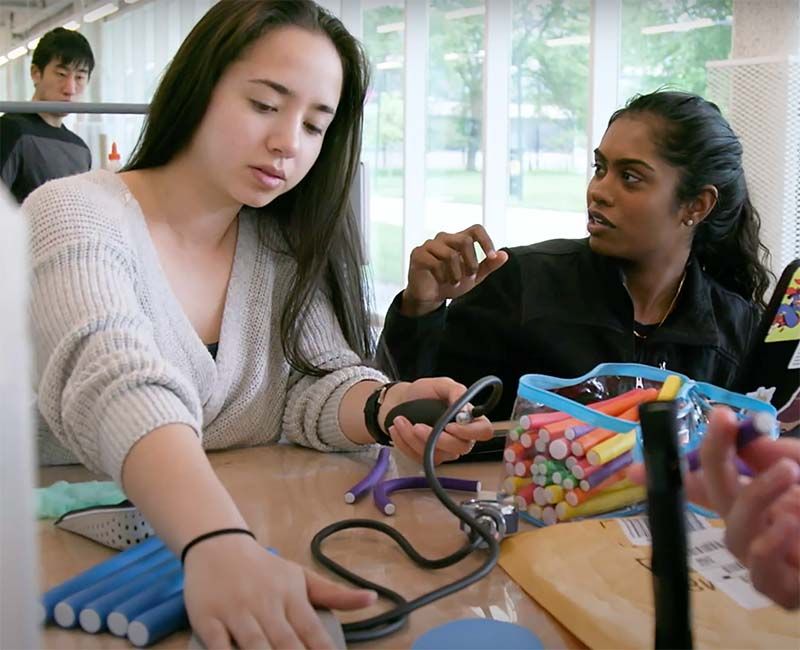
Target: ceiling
(24, 18)
(14, 13)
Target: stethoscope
(484, 522)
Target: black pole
(665, 510)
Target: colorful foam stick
(669, 389)
(523, 467)
(536, 420)
(555, 494)
(588, 439)
(606, 470)
(605, 502)
(160, 621)
(66, 611)
(97, 572)
(583, 468)
(153, 614)
(580, 446)
(616, 481)
(576, 432)
(761, 424)
(524, 496)
(512, 484)
(616, 406)
(92, 616)
(569, 483)
(693, 462)
(611, 448)
(528, 439)
(375, 475)
(558, 448)
(123, 613)
(549, 515)
(383, 489)
(535, 511)
(515, 452)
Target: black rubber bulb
(417, 411)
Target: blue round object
(478, 634)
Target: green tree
(455, 70)
(383, 119)
(677, 59)
(547, 75)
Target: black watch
(371, 409)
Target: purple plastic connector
(382, 490)
(374, 476)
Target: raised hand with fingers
(447, 267)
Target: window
(382, 151)
(547, 120)
(455, 107)
(669, 43)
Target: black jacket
(558, 308)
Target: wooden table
(287, 494)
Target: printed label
(637, 529)
(709, 556)
(794, 362)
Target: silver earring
(690, 222)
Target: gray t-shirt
(32, 152)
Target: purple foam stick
(759, 425)
(612, 466)
(576, 432)
(377, 472)
(748, 430)
(383, 489)
(693, 461)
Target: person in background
(762, 515)
(37, 147)
(212, 295)
(671, 274)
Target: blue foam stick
(158, 622)
(89, 577)
(66, 611)
(93, 614)
(123, 613)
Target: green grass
(547, 190)
(386, 252)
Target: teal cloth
(62, 497)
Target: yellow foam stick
(576, 497)
(601, 503)
(611, 448)
(514, 483)
(555, 493)
(669, 389)
(535, 511)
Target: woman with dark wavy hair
(211, 295)
(671, 274)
